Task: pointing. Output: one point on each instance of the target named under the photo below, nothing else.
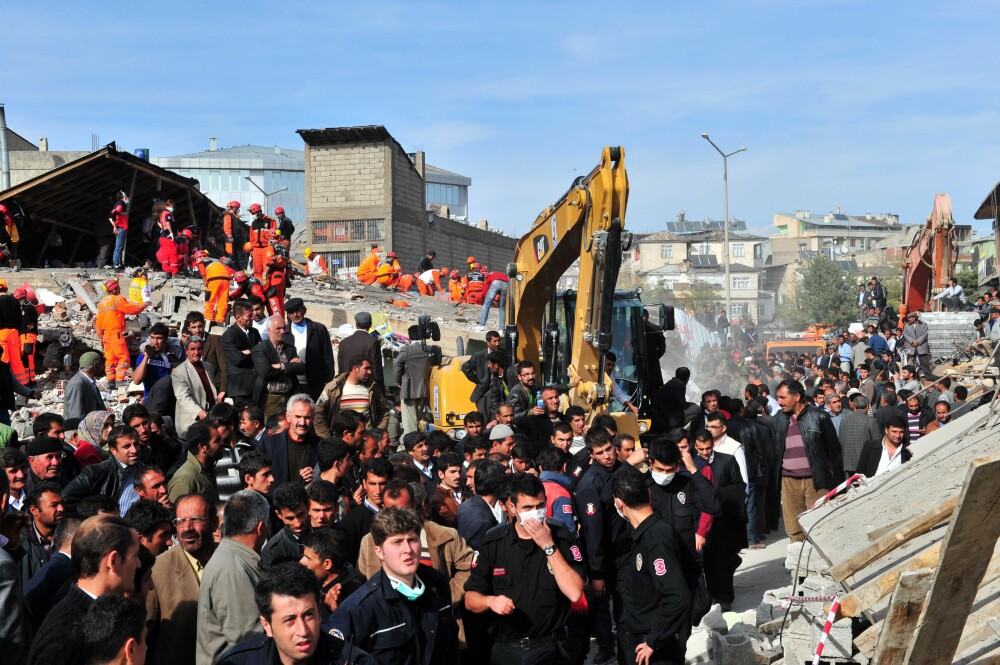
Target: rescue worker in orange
(405, 283)
(315, 264)
(11, 323)
(285, 227)
(110, 326)
(234, 230)
(217, 276)
(475, 289)
(30, 309)
(368, 270)
(456, 287)
(277, 278)
(429, 281)
(241, 286)
(389, 271)
(262, 230)
(167, 253)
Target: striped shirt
(913, 424)
(795, 463)
(355, 397)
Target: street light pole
(725, 224)
(267, 196)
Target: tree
(968, 279)
(700, 294)
(823, 294)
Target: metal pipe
(4, 153)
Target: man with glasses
(172, 604)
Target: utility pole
(725, 224)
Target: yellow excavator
(567, 335)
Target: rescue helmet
(454, 274)
(480, 266)
(187, 233)
(3, 285)
(20, 293)
(233, 204)
(247, 246)
(308, 252)
(279, 211)
(471, 259)
(200, 254)
(3, 208)
(444, 271)
(240, 277)
(392, 255)
(111, 285)
(254, 208)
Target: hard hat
(279, 211)
(254, 208)
(246, 246)
(308, 252)
(20, 292)
(3, 285)
(200, 254)
(444, 271)
(454, 274)
(471, 259)
(110, 284)
(392, 255)
(479, 266)
(187, 233)
(233, 204)
(3, 208)
(240, 276)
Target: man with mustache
(172, 605)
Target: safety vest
(216, 271)
(138, 291)
(261, 231)
(111, 311)
(119, 215)
(316, 265)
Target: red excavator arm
(930, 261)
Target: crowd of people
(268, 498)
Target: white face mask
(621, 513)
(537, 515)
(662, 478)
(170, 209)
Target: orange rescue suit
(110, 325)
(217, 279)
(261, 232)
(456, 289)
(368, 270)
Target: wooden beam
(968, 549)
(917, 526)
(978, 628)
(868, 640)
(869, 593)
(905, 610)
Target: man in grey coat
(412, 371)
(82, 396)
(915, 338)
(856, 429)
(227, 610)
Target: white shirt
(261, 327)
(734, 448)
(17, 502)
(952, 291)
(497, 509)
(299, 335)
(887, 462)
(427, 277)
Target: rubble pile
(66, 329)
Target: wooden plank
(979, 627)
(968, 549)
(866, 641)
(905, 609)
(917, 526)
(869, 593)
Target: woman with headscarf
(94, 430)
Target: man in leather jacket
(811, 458)
(113, 477)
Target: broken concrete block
(699, 646)
(714, 620)
(59, 312)
(839, 644)
(733, 650)
(86, 294)
(819, 585)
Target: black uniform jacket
(261, 650)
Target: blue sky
(873, 107)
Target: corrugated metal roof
(344, 134)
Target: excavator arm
(930, 260)
(586, 223)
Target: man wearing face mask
(527, 573)
(677, 498)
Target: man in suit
(412, 371)
(211, 352)
(105, 557)
(375, 474)
(312, 341)
(114, 477)
(885, 454)
(14, 629)
(237, 343)
(729, 534)
(53, 579)
(277, 368)
(856, 429)
(194, 388)
(671, 401)
(361, 342)
(293, 452)
(480, 513)
(81, 395)
(172, 604)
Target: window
(341, 261)
(738, 309)
(350, 230)
(442, 194)
(741, 282)
(758, 251)
(739, 249)
(666, 251)
(704, 250)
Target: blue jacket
(261, 651)
(562, 506)
(385, 624)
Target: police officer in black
(527, 573)
(656, 617)
(678, 498)
(288, 599)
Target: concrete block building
(363, 189)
